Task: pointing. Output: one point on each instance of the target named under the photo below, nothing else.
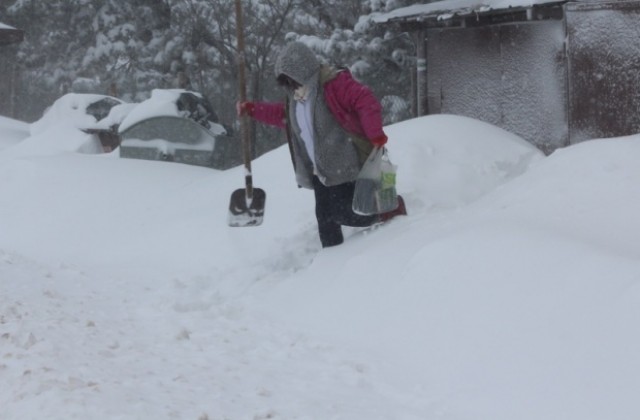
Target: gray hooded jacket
(337, 158)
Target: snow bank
(448, 161)
(510, 291)
(12, 132)
(519, 305)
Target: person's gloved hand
(244, 108)
(379, 141)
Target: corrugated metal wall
(511, 75)
(8, 81)
(604, 69)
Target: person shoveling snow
(333, 123)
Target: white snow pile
(68, 110)
(13, 132)
(510, 291)
(60, 129)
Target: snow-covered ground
(13, 132)
(511, 291)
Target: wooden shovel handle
(242, 93)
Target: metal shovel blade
(244, 212)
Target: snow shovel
(247, 204)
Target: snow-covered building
(555, 72)
(8, 35)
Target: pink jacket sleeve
(355, 106)
(272, 113)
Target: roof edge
(10, 35)
(446, 9)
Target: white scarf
(305, 122)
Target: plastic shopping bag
(375, 190)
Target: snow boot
(401, 210)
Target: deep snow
(511, 291)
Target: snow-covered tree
(342, 32)
(129, 48)
(56, 32)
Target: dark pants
(333, 209)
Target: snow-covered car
(173, 125)
(89, 114)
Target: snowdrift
(12, 132)
(510, 291)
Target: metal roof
(446, 9)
